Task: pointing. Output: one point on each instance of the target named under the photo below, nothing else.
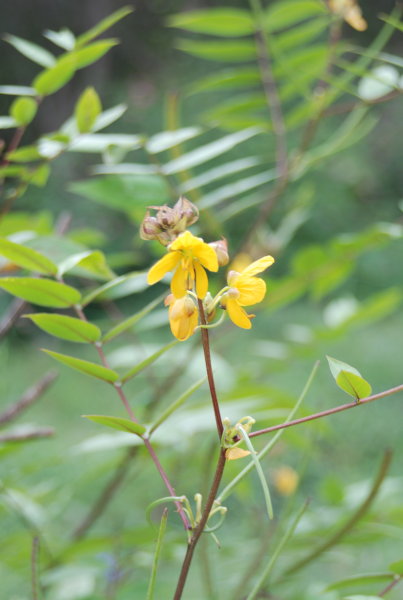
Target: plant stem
(118, 387)
(28, 398)
(397, 579)
(39, 433)
(210, 376)
(199, 529)
(330, 411)
(34, 568)
(352, 521)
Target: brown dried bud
(168, 222)
(221, 249)
(186, 213)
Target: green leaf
(349, 379)
(84, 366)
(117, 423)
(397, 567)
(17, 90)
(51, 80)
(288, 12)
(130, 321)
(32, 51)
(64, 38)
(392, 21)
(130, 194)
(161, 534)
(7, 123)
(361, 580)
(103, 25)
(118, 288)
(100, 142)
(227, 80)
(26, 257)
(225, 22)
(224, 170)
(93, 261)
(24, 154)
(168, 139)
(209, 151)
(43, 292)
(66, 328)
(87, 110)
(23, 110)
(234, 189)
(300, 35)
(148, 361)
(40, 176)
(90, 54)
(225, 51)
(109, 116)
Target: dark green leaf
(41, 291)
(23, 110)
(32, 51)
(27, 258)
(225, 22)
(117, 423)
(66, 328)
(84, 366)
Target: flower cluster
(189, 258)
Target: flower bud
(221, 249)
(183, 316)
(168, 222)
(186, 213)
(149, 228)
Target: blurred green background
(49, 485)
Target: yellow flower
(189, 256)
(183, 316)
(286, 480)
(350, 11)
(244, 290)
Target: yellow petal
(206, 255)
(251, 290)
(165, 264)
(186, 241)
(201, 281)
(182, 320)
(235, 453)
(258, 266)
(179, 282)
(237, 314)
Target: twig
(352, 521)
(397, 579)
(330, 411)
(35, 586)
(16, 309)
(28, 398)
(207, 358)
(43, 432)
(106, 495)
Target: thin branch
(209, 369)
(43, 432)
(35, 586)
(397, 579)
(16, 309)
(352, 521)
(330, 411)
(28, 398)
(106, 495)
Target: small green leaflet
(147, 361)
(361, 580)
(66, 328)
(43, 292)
(26, 257)
(87, 110)
(349, 379)
(23, 110)
(397, 567)
(85, 366)
(52, 79)
(117, 423)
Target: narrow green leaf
(25, 154)
(23, 110)
(32, 51)
(125, 169)
(131, 321)
(349, 379)
(300, 35)
(90, 54)
(392, 21)
(109, 116)
(148, 361)
(26, 257)
(161, 534)
(284, 13)
(225, 51)
(100, 142)
(87, 110)
(209, 151)
(225, 22)
(118, 288)
(54, 78)
(84, 366)
(17, 90)
(361, 580)
(397, 567)
(168, 139)
(66, 328)
(103, 25)
(224, 170)
(64, 38)
(43, 292)
(117, 423)
(227, 80)
(93, 261)
(232, 190)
